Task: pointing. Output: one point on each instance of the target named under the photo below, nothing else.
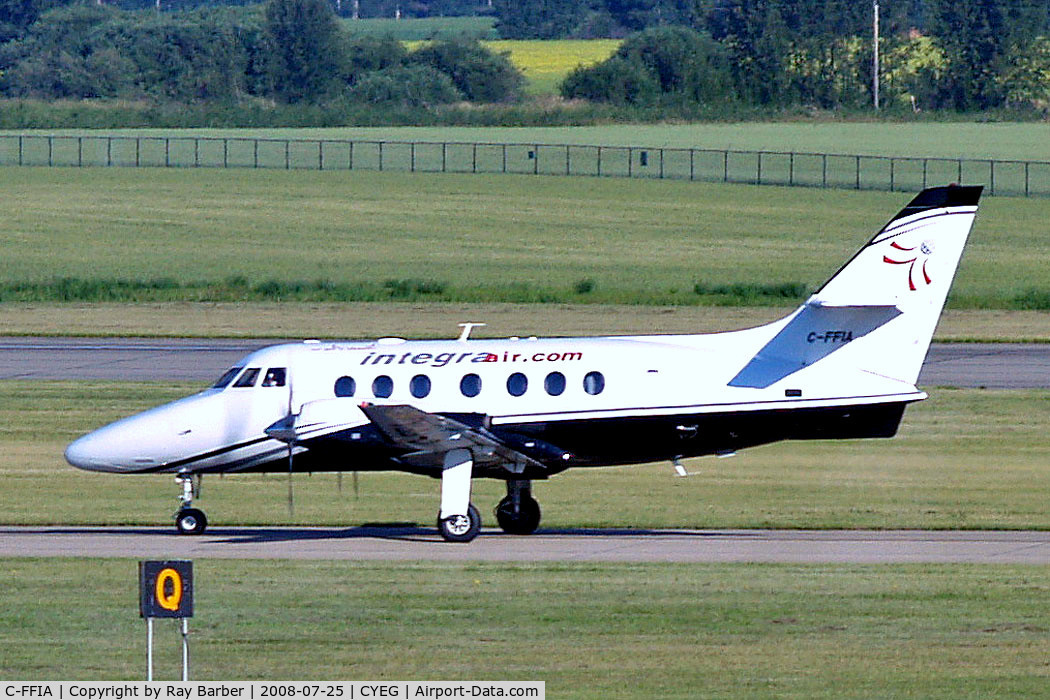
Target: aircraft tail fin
(884, 303)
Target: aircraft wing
(430, 436)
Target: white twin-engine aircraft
(843, 365)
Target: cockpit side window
(227, 377)
(248, 378)
(274, 376)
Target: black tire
(524, 522)
(454, 529)
(190, 521)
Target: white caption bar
(290, 690)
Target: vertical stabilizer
(883, 305)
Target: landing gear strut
(189, 521)
(518, 513)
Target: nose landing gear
(188, 520)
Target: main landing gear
(518, 513)
(188, 520)
(459, 521)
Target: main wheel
(190, 521)
(460, 528)
(524, 522)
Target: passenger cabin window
(345, 386)
(248, 378)
(470, 385)
(554, 383)
(382, 387)
(517, 384)
(419, 386)
(275, 376)
(227, 377)
(594, 383)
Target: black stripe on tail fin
(940, 198)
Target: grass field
(333, 236)
(589, 631)
(963, 459)
(1001, 140)
(419, 28)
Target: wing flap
(431, 435)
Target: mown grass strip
(589, 631)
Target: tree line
(287, 51)
(964, 55)
(679, 57)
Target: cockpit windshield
(227, 377)
(248, 378)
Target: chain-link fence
(833, 170)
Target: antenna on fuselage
(467, 327)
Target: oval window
(594, 383)
(517, 384)
(382, 387)
(554, 383)
(345, 386)
(419, 386)
(470, 385)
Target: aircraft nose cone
(90, 452)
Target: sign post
(166, 590)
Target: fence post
(21, 149)
(50, 150)
(991, 177)
(858, 173)
(599, 161)
(380, 156)
(138, 150)
(1026, 164)
(958, 178)
(725, 166)
(109, 151)
(225, 153)
(691, 168)
(758, 172)
(630, 162)
(167, 153)
(893, 161)
(661, 164)
(196, 152)
(536, 160)
(474, 158)
(504, 159)
(444, 157)
(791, 168)
(824, 170)
(287, 154)
(320, 154)
(924, 162)
(80, 151)
(255, 153)
(412, 157)
(351, 157)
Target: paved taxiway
(993, 365)
(413, 543)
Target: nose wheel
(189, 520)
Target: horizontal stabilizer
(815, 332)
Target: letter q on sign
(166, 588)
